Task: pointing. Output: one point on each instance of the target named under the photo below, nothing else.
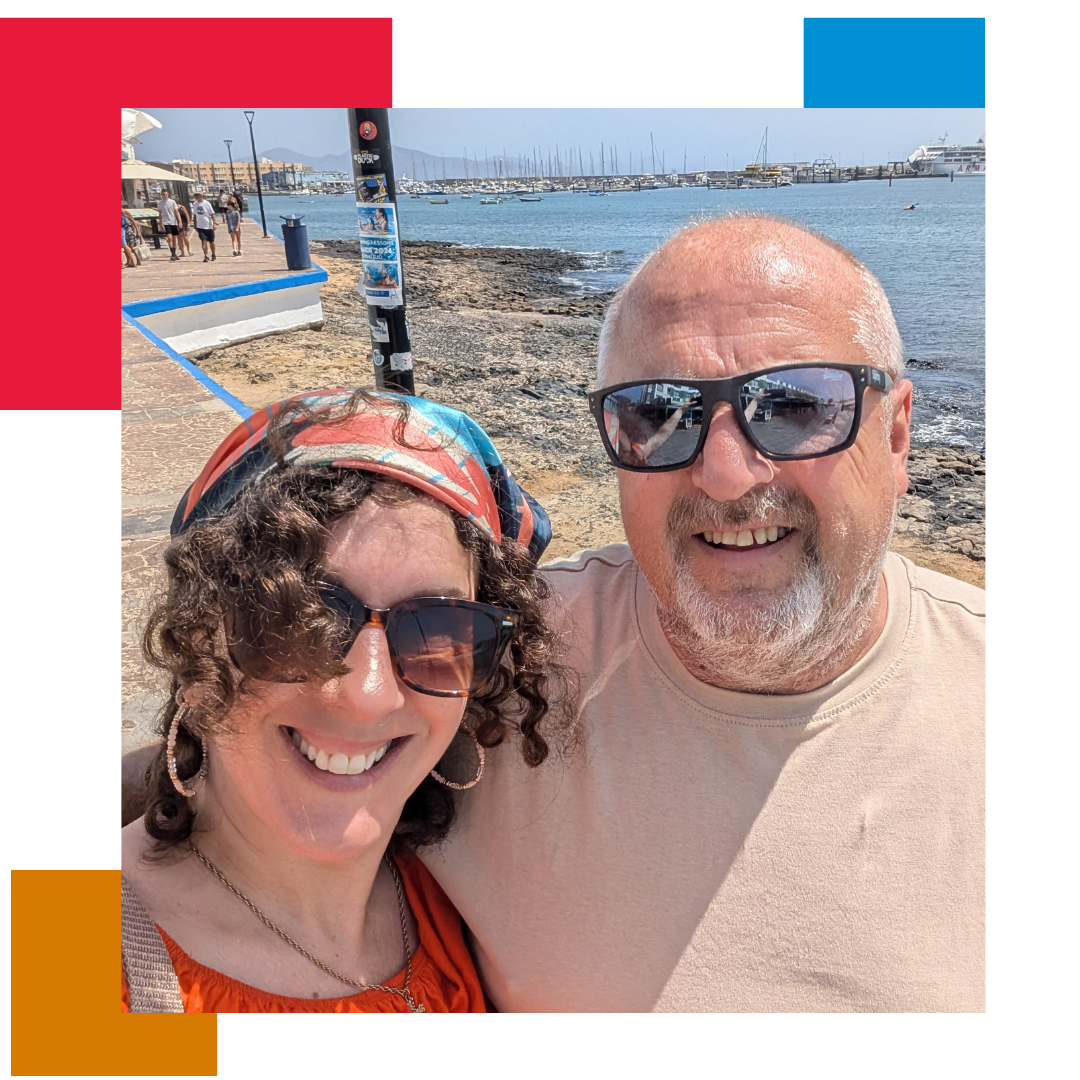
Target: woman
(128, 237)
(232, 220)
(352, 580)
(183, 222)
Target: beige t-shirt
(716, 851)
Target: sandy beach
(496, 333)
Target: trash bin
(297, 255)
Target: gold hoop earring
(436, 775)
(170, 761)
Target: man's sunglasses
(786, 413)
(439, 645)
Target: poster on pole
(379, 253)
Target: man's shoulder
(588, 568)
(592, 585)
(941, 589)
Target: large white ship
(941, 159)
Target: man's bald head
(748, 261)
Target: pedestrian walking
(167, 209)
(204, 226)
(232, 220)
(183, 218)
(127, 238)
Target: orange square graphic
(65, 988)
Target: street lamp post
(249, 115)
(232, 173)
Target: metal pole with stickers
(381, 283)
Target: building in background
(216, 175)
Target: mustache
(698, 513)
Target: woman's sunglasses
(787, 413)
(439, 645)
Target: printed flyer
(379, 253)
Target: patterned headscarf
(440, 451)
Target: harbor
(507, 281)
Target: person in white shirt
(204, 226)
(166, 208)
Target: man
(204, 226)
(166, 208)
(777, 803)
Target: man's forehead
(717, 305)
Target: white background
(59, 536)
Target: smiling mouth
(339, 764)
(745, 539)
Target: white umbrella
(140, 170)
(133, 122)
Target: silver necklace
(403, 992)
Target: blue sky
(713, 138)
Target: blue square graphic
(894, 63)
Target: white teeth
(745, 538)
(770, 533)
(760, 536)
(340, 764)
(708, 538)
(729, 538)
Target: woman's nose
(371, 687)
(729, 466)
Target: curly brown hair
(242, 603)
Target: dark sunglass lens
(801, 411)
(653, 424)
(444, 648)
(348, 627)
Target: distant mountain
(326, 163)
(407, 162)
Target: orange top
(443, 976)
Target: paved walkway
(264, 256)
(171, 424)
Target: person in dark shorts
(204, 226)
(167, 209)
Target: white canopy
(133, 122)
(140, 170)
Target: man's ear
(900, 436)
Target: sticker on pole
(379, 330)
(368, 130)
(371, 189)
(380, 255)
(401, 361)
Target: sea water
(930, 260)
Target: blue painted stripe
(138, 308)
(215, 388)
(882, 64)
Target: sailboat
(763, 175)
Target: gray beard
(782, 640)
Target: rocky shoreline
(499, 333)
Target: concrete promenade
(171, 423)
